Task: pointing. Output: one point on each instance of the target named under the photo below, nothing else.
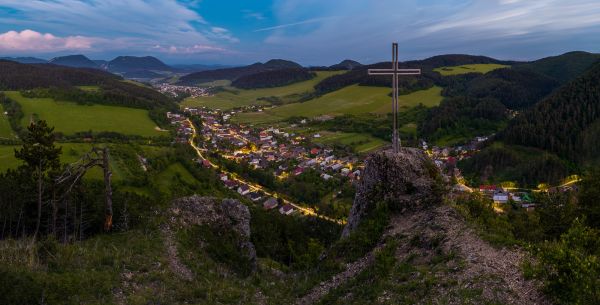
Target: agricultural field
(349, 100)
(175, 172)
(5, 130)
(360, 143)
(71, 152)
(464, 69)
(69, 117)
(231, 97)
(89, 88)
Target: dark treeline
(60, 83)
(16, 76)
(14, 112)
(273, 78)
(515, 89)
(359, 74)
(237, 72)
(563, 68)
(566, 123)
(463, 118)
(526, 166)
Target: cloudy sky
(312, 32)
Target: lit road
(253, 186)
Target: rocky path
(352, 269)
(176, 266)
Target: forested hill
(61, 83)
(563, 68)
(272, 78)
(237, 72)
(449, 60)
(26, 60)
(566, 123)
(75, 61)
(16, 76)
(123, 64)
(359, 74)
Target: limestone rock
(407, 180)
(228, 213)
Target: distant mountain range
(132, 67)
(234, 73)
(26, 60)
(74, 61)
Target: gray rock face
(407, 180)
(229, 214)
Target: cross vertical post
(395, 72)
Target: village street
(253, 186)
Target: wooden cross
(395, 71)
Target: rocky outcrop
(226, 214)
(406, 180)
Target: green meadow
(231, 97)
(69, 117)
(359, 142)
(464, 69)
(5, 130)
(349, 100)
(71, 152)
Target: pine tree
(41, 156)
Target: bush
(570, 266)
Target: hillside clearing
(464, 69)
(232, 97)
(349, 100)
(5, 130)
(69, 117)
(360, 143)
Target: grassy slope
(71, 152)
(475, 68)
(5, 130)
(361, 143)
(233, 97)
(349, 100)
(68, 117)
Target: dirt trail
(496, 272)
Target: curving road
(254, 186)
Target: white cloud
(219, 33)
(194, 49)
(137, 24)
(253, 15)
(503, 28)
(28, 40)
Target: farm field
(5, 130)
(174, 172)
(464, 69)
(349, 100)
(71, 152)
(233, 97)
(69, 118)
(360, 143)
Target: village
(287, 154)
(290, 154)
(178, 91)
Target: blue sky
(311, 32)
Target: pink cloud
(28, 40)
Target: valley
(303, 160)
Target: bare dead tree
(74, 172)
